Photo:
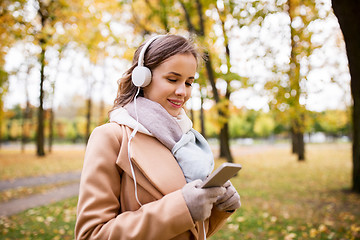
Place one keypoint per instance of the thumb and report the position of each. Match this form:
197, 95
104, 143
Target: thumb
196, 183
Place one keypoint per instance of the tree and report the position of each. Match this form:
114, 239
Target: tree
289, 87
222, 103
11, 28
264, 125
94, 43
347, 12
49, 28
50, 25
3, 90
26, 113
232, 17
51, 94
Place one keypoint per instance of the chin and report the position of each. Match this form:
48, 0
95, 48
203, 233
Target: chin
174, 113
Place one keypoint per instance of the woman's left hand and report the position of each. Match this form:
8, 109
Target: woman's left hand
230, 201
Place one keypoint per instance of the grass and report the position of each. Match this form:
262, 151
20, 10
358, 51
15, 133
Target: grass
17, 165
286, 199
55, 221
281, 199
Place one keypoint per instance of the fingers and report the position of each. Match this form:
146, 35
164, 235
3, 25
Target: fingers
232, 203
196, 183
200, 200
230, 191
230, 200
214, 192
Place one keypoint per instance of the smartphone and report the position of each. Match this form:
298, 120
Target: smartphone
221, 175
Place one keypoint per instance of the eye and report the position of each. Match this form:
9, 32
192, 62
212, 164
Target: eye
171, 80
189, 84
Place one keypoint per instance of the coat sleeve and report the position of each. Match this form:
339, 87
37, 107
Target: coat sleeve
217, 220
99, 206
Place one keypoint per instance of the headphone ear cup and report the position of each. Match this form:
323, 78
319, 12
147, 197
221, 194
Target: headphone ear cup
141, 76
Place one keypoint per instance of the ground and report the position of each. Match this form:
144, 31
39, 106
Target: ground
281, 197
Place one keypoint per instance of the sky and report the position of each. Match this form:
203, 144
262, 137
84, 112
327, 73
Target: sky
328, 84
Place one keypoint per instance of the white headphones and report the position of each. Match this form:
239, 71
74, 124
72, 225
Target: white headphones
141, 75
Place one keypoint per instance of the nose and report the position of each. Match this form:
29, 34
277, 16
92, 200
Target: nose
180, 90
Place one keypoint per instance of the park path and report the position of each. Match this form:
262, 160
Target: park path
37, 181
72, 188
18, 205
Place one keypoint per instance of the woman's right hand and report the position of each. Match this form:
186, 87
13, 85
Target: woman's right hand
200, 200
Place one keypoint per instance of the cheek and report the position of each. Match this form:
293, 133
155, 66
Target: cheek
151, 91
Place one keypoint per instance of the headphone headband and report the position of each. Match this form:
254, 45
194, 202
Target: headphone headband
141, 76
143, 50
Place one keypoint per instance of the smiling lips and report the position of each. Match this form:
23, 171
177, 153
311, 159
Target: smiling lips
175, 103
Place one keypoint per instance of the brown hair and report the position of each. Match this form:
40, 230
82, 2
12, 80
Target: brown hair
156, 53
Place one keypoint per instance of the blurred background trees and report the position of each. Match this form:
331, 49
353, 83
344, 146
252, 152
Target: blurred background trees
285, 52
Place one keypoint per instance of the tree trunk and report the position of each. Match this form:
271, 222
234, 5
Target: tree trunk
356, 142
297, 139
102, 117
22, 143
3, 85
88, 119
51, 110
8, 128
294, 76
347, 12
202, 116
225, 146
224, 134
26, 113
51, 130
301, 146
225, 143
192, 117
102, 112
40, 129
24, 133
1, 136
294, 143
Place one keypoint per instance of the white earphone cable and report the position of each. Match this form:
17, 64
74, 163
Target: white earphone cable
204, 230
129, 149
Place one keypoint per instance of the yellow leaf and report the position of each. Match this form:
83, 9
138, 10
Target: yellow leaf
273, 219
290, 236
355, 228
240, 219
313, 232
322, 228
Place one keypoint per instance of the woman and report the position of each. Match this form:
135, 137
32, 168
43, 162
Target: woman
142, 170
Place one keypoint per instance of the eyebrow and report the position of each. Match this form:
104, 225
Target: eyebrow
179, 75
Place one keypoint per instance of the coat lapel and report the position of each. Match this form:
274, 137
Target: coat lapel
154, 165
157, 163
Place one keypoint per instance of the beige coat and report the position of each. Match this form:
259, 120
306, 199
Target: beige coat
107, 207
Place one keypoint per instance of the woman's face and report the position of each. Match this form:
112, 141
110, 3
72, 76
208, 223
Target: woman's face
171, 82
